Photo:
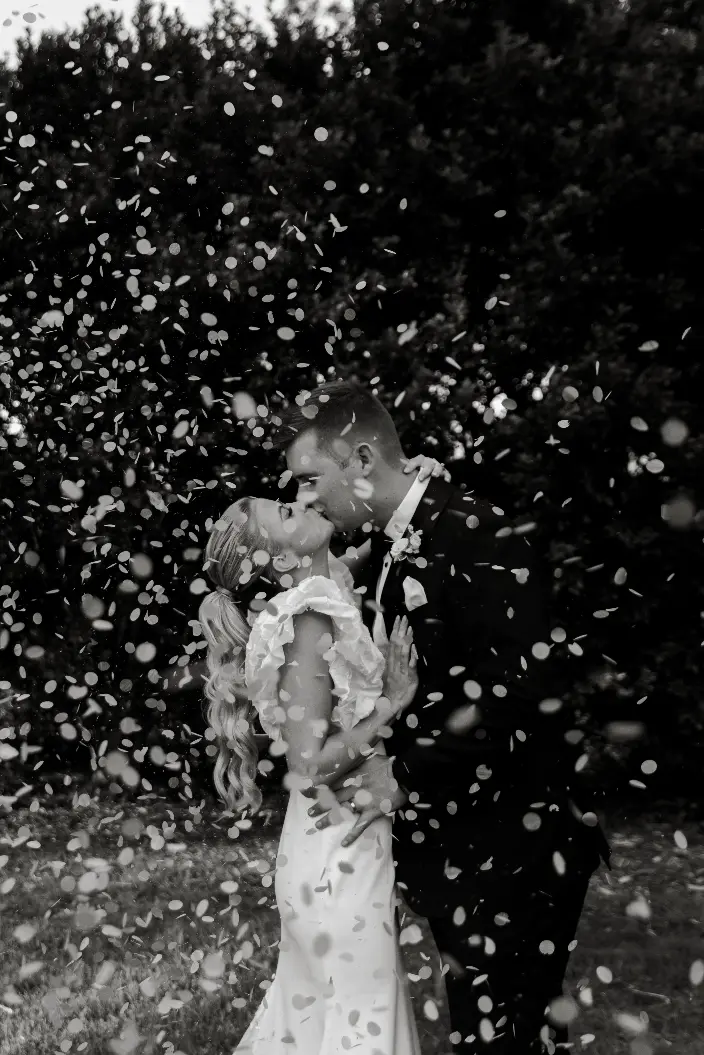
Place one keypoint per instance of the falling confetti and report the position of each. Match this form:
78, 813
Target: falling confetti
166, 235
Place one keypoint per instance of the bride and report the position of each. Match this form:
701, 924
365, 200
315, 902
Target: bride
325, 695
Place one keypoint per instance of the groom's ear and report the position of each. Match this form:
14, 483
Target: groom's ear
367, 457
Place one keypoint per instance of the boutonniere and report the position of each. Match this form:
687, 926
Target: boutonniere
407, 546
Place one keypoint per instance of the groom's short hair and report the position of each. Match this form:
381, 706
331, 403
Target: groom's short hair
339, 411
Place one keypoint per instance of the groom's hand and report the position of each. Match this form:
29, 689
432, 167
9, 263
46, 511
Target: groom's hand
375, 793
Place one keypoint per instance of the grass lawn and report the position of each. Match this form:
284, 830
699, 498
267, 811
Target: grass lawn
118, 937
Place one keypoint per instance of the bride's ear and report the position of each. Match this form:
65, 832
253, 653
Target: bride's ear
285, 562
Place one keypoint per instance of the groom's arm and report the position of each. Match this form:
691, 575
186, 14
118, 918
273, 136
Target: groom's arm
495, 613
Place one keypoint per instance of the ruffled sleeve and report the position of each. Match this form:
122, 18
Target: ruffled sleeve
356, 664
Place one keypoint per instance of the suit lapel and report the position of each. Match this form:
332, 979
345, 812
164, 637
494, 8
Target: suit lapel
370, 574
437, 496
433, 502
431, 506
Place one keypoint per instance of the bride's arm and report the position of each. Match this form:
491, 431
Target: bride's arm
305, 694
305, 691
355, 557
347, 749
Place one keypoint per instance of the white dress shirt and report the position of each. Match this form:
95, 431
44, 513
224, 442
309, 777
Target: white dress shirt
395, 528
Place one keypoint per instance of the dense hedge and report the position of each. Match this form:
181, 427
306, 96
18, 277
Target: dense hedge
489, 213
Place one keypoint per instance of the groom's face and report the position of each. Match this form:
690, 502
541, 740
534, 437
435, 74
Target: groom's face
335, 488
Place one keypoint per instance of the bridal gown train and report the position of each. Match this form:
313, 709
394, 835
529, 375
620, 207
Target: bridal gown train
339, 984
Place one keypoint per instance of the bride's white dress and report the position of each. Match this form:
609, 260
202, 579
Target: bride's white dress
339, 984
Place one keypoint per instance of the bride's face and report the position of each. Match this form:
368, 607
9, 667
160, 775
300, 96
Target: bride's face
292, 526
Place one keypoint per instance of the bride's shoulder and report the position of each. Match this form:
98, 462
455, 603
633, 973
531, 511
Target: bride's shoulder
316, 593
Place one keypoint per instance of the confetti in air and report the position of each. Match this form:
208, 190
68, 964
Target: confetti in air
199, 227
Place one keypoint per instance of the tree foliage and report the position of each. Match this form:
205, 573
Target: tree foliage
488, 213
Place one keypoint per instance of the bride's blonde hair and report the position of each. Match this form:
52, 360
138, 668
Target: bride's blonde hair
235, 556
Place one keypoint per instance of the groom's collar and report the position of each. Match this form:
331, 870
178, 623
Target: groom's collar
436, 497
406, 511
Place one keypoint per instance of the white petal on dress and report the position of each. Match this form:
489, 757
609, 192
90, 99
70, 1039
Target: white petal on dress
339, 984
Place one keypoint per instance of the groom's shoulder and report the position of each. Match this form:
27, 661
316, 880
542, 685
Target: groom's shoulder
466, 511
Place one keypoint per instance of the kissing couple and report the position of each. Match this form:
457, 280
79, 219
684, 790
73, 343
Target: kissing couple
409, 686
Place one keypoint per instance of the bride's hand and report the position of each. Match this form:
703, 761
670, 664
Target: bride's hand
401, 674
344, 790
426, 467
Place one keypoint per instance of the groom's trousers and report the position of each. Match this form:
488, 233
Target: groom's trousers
507, 942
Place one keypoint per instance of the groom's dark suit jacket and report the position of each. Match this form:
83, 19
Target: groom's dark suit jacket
491, 762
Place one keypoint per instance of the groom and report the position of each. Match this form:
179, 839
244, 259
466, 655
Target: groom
492, 842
